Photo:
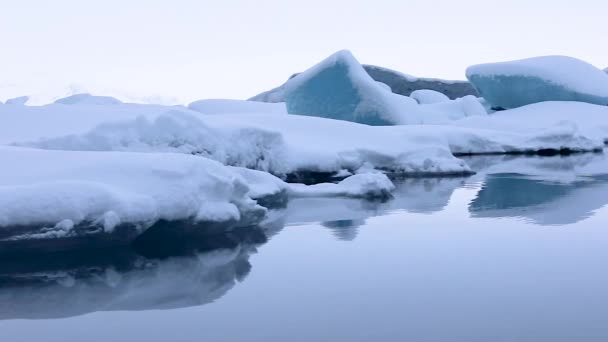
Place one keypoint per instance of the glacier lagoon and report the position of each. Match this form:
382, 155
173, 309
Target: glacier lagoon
458, 259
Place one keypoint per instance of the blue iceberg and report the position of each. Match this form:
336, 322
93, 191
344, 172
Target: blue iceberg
550, 78
339, 88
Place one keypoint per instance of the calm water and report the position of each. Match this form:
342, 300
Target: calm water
517, 252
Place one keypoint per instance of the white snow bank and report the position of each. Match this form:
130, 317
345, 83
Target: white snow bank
216, 106
61, 189
426, 96
284, 144
280, 144
559, 122
88, 99
323, 145
364, 185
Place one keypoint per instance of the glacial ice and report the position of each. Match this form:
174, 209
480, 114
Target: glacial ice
549, 78
338, 88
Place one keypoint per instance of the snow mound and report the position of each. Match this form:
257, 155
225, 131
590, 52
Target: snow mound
280, 144
367, 185
217, 106
110, 190
549, 78
364, 185
19, 101
88, 99
339, 88
427, 96
182, 133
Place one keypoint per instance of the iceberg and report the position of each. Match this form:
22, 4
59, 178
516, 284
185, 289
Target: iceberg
339, 88
549, 78
395, 81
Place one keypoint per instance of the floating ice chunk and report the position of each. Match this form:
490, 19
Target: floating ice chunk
20, 101
367, 185
115, 188
216, 106
550, 78
427, 96
88, 99
339, 88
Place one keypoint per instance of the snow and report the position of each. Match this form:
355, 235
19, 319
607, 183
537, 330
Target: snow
218, 106
364, 185
88, 99
112, 188
426, 96
284, 144
549, 78
368, 185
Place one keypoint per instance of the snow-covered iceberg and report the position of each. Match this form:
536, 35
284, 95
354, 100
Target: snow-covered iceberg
114, 194
339, 88
549, 78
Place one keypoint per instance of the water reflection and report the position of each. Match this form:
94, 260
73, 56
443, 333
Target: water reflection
419, 195
169, 269
542, 202
544, 191
130, 278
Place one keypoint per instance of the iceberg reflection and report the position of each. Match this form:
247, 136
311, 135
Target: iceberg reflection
134, 278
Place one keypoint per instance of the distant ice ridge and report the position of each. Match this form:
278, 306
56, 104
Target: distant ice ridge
397, 82
221, 106
339, 88
89, 99
19, 101
550, 78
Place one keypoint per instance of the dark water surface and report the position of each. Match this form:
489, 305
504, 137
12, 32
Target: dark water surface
517, 252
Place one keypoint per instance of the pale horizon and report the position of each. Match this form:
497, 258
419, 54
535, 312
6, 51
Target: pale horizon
186, 50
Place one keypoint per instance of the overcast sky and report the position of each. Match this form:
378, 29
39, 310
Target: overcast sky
237, 48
